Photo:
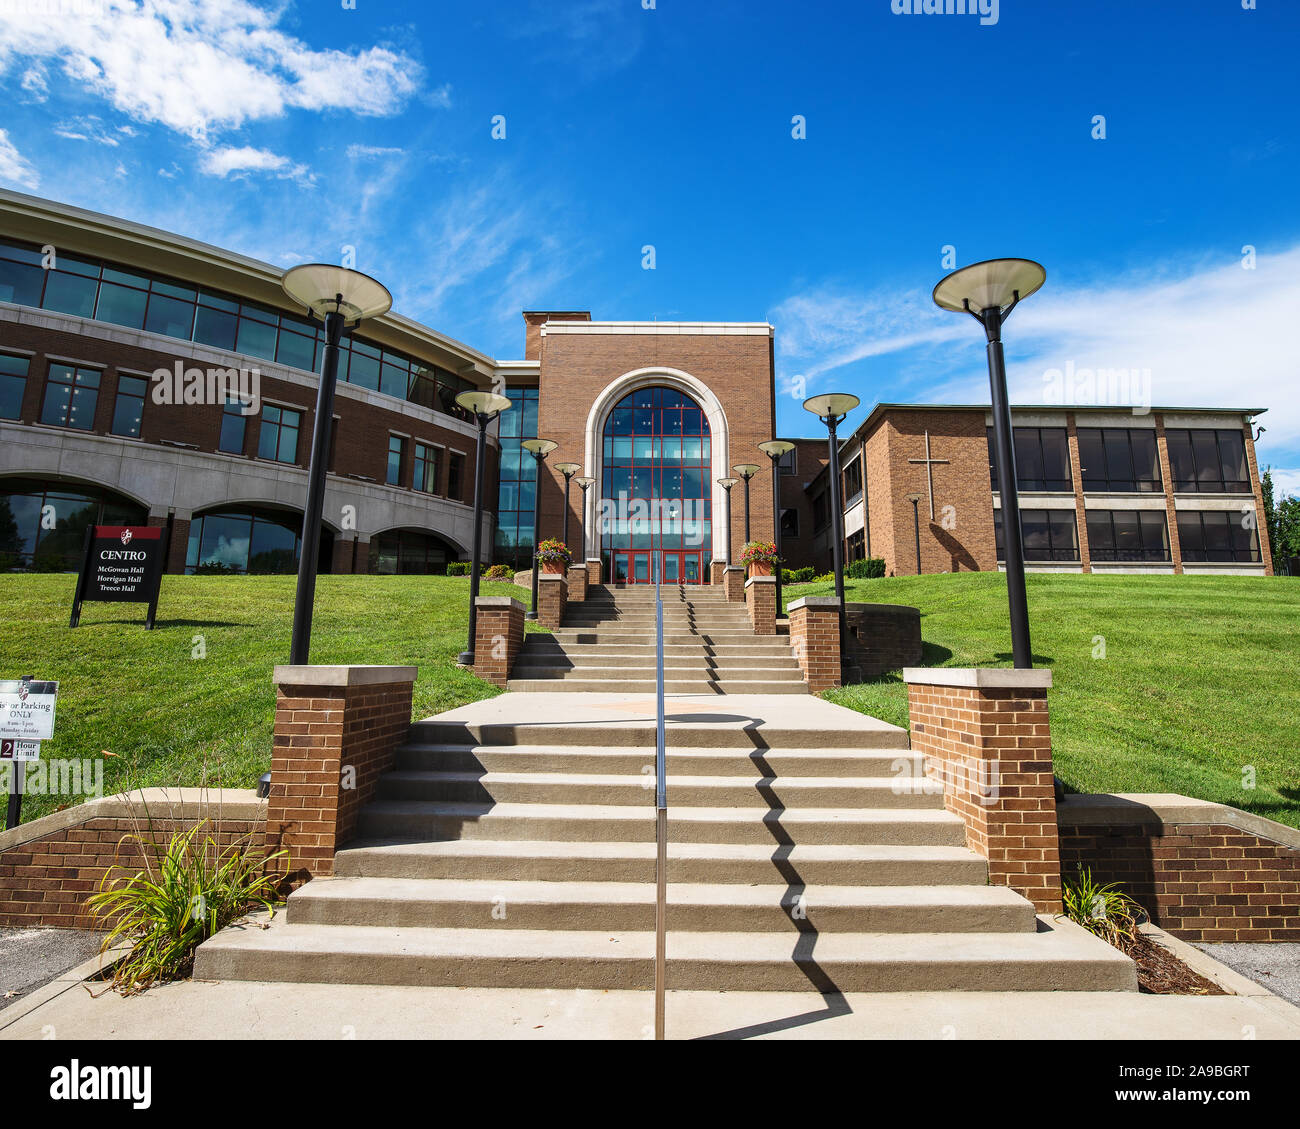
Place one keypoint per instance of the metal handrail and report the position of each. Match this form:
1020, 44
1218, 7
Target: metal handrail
661, 812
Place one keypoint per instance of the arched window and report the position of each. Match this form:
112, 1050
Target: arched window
656, 488
43, 522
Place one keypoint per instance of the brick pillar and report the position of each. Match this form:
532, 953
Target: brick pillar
498, 635
716, 569
984, 734
577, 584
815, 640
1167, 478
733, 580
1076, 476
593, 571
552, 596
344, 553
1257, 491
337, 729
179, 544
760, 602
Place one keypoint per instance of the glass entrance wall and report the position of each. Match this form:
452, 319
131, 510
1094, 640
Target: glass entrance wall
656, 488
43, 523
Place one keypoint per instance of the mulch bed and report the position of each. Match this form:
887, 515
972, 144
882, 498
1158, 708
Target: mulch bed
1160, 973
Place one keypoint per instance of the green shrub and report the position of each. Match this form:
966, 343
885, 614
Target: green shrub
458, 568
1104, 910
872, 568
825, 578
500, 572
186, 891
796, 575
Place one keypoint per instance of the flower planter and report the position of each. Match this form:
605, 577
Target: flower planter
760, 568
556, 567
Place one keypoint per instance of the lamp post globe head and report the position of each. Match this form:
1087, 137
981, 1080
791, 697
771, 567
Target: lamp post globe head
585, 483
539, 448
832, 404
727, 483
326, 289
568, 469
992, 284
914, 498
775, 448
483, 403
746, 470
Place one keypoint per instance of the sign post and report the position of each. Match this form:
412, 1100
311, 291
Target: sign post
26, 719
122, 564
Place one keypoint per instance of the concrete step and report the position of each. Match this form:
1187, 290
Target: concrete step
681, 762
944, 862
1062, 957
673, 672
760, 648
620, 636
419, 820
767, 793
647, 686
457, 903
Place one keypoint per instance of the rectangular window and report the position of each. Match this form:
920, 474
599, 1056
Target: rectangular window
13, 383
1119, 460
234, 425
1042, 459
1128, 535
855, 547
128, 408
396, 456
455, 477
1048, 535
21, 276
789, 462
1217, 535
1208, 461
852, 482
821, 508
121, 305
71, 395
170, 316
425, 476
68, 293
789, 523
278, 440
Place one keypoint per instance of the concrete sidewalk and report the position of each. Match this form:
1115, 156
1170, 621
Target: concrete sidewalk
232, 1010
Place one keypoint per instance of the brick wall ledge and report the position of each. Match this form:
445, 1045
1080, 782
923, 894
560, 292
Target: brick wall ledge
163, 803
760, 580
812, 602
342, 675
1160, 809
487, 602
979, 678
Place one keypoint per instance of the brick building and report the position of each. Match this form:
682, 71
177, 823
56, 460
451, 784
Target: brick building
93, 309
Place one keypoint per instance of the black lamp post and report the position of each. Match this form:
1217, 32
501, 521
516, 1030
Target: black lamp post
568, 470
727, 484
586, 484
341, 299
774, 449
989, 291
915, 499
832, 408
747, 471
539, 449
485, 407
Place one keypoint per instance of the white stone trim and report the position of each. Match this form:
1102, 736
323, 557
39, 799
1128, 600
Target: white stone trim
361, 675
1217, 503
979, 678
1134, 568
668, 328
1222, 568
1206, 421
1124, 502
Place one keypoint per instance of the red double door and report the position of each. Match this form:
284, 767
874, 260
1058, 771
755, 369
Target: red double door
633, 566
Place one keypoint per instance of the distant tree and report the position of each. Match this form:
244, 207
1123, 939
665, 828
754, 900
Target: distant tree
1282, 515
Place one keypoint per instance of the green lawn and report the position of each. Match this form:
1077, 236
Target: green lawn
1199, 684
141, 694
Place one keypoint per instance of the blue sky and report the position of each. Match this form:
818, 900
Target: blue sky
287, 131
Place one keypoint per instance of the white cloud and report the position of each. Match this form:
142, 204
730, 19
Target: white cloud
88, 128
15, 169
198, 66
1285, 480
35, 83
363, 152
236, 161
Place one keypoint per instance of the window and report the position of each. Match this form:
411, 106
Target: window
44, 523
455, 477
821, 508
855, 547
13, 383
1048, 535
1042, 459
1208, 461
425, 477
517, 478
71, 394
233, 428
407, 551
278, 440
1119, 460
1217, 535
396, 456
1128, 535
852, 482
789, 523
128, 408
789, 462
243, 541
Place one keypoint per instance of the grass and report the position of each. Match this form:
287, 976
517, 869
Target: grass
143, 696
1197, 691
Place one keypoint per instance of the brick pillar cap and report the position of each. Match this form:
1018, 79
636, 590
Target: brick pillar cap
594, 560
498, 602
760, 580
813, 603
545, 576
978, 678
342, 675
734, 568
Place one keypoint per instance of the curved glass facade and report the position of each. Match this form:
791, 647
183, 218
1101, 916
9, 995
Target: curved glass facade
92, 288
246, 541
656, 488
43, 524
